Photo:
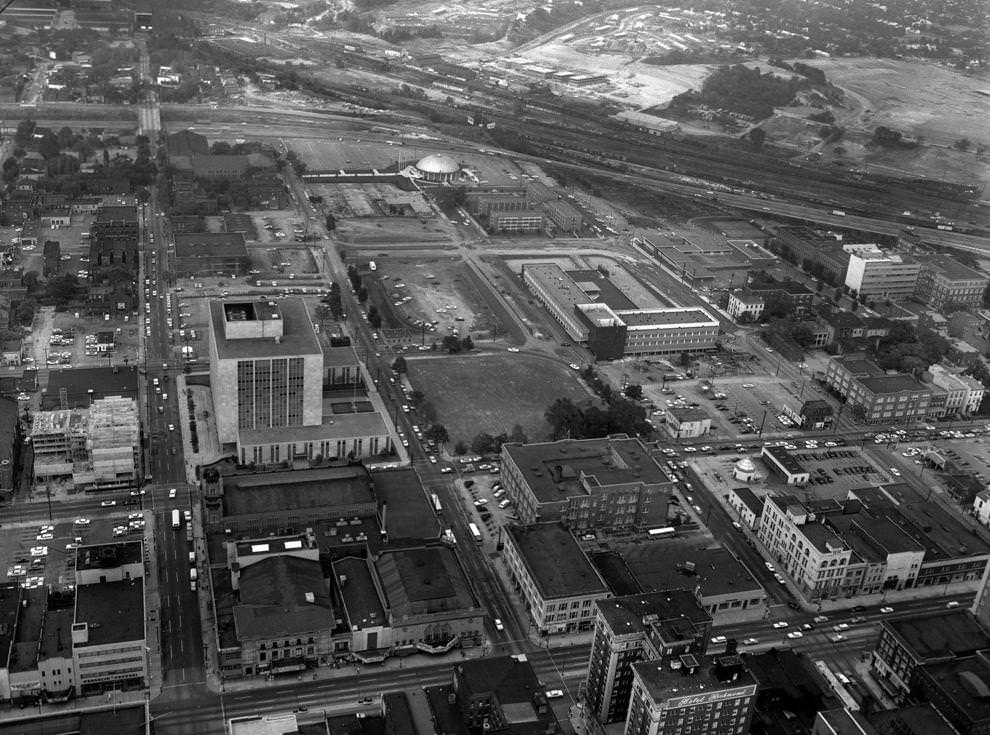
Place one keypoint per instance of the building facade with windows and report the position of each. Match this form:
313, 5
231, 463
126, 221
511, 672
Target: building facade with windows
589, 483
878, 397
943, 281
551, 572
657, 626
696, 697
877, 274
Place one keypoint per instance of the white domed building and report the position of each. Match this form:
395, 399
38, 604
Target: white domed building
745, 470
438, 168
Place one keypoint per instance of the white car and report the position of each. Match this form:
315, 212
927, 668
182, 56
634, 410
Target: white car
433, 459
795, 634
171, 427
45, 537
886, 610
840, 627
81, 522
574, 366
171, 493
750, 641
446, 470
555, 693
498, 624
108, 503
719, 639
513, 349
769, 566
780, 624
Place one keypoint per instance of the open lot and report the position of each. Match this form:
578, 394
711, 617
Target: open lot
437, 290
492, 393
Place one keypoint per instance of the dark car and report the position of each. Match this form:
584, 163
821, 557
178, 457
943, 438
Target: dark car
858, 608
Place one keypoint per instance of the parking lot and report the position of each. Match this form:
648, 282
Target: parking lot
40, 555
482, 489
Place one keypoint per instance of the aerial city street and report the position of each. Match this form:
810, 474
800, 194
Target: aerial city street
438, 368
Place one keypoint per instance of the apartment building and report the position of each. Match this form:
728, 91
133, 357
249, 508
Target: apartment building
745, 302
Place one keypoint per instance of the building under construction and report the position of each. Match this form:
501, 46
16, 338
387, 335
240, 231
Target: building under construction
95, 448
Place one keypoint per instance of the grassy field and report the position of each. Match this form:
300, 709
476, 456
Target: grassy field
492, 393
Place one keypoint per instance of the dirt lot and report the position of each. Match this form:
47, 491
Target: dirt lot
492, 393
385, 231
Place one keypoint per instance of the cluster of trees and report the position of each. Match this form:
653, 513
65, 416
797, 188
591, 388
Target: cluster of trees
453, 344
908, 349
745, 91
568, 420
485, 443
890, 138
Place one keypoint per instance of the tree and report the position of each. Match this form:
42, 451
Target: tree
399, 364
437, 433
467, 343
451, 344
517, 435
63, 289
354, 277
374, 318
460, 448
30, 281
362, 294
685, 360
565, 419
855, 307
331, 223
483, 443
333, 300
633, 392
416, 397
757, 136
962, 144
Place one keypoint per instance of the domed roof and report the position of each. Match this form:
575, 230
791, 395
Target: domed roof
745, 465
437, 163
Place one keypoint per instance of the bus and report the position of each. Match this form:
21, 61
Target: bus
435, 499
475, 533
667, 531
176, 516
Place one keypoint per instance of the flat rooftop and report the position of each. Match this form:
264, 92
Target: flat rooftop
965, 682
108, 556
894, 384
359, 594
674, 688
554, 470
658, 563
785, 459
210, 245
678, 317
607, 292
114, 611
297, 337
554, 560
628, 614
334, 426
267, 492
78, 382
940, 633
409, 513
424, 580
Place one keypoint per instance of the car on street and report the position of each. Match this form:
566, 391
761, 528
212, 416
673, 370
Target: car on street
795, 634
750, 641
555, 693
837, 638
81, 522
171, 493
171, 427
952, 603
513, 349
769, 566
840, 627
886, 610
108, 503
719, 639
574, 366
498, 624
781, 624
446, 470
